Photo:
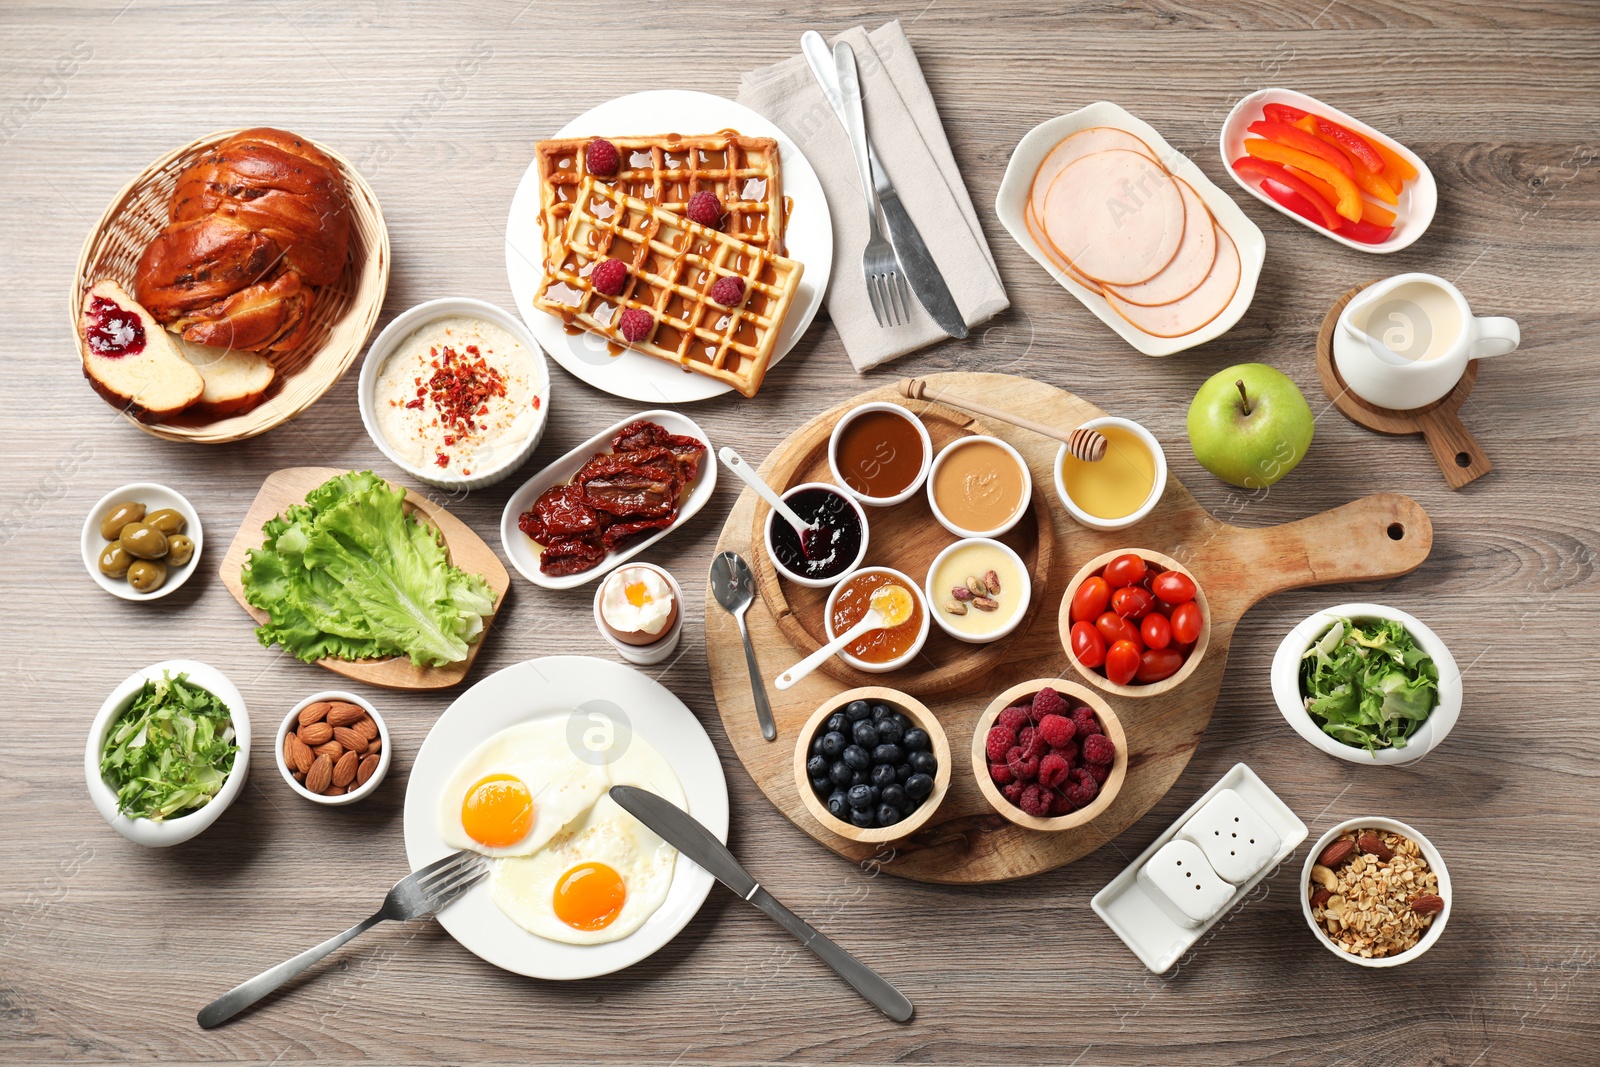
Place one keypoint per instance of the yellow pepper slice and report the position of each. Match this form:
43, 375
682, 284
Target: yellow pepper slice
1348, 199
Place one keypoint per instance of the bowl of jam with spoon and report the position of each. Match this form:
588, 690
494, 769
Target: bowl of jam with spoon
834, 546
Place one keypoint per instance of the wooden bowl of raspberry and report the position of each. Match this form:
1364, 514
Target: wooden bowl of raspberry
1049, 754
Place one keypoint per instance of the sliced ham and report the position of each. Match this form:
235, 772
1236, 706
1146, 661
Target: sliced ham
1050, 252
1189, 314
1115, 215
1074, 148
1192, 263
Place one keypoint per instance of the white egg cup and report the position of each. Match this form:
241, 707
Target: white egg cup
657, 650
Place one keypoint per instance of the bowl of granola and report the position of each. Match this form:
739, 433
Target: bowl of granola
1376, 892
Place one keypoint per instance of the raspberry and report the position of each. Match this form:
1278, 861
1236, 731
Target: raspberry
1036, 801
1098, 748
1060, 805
998, 743
1013, 718
609, 276
706, 209
636, 324
1013, 792
1052, 770
1098, 771
1085, 722
1023, 767
1049, 702
1032, 742
1068, 752
728, 292
1000, 774
1057, 730
1081, 787
601, 158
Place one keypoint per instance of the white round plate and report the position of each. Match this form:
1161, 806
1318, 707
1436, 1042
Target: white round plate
808, 238
566, 686
154, 497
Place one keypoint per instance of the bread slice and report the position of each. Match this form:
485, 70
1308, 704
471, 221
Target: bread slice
236, 380
144, 375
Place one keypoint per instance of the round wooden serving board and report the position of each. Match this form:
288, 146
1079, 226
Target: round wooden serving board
966, 841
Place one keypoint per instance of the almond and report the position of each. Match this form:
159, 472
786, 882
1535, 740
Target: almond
367, 768
1320, 897
316, 733
344, 714
1337, 853
375, 744
351, 740
1372, 845
331, 749
314, 712
299, 777
320, 776
296, 753
1427, 904
365, 727
344, 772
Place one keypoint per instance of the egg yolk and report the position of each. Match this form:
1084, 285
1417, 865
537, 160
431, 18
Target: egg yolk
637, 594
497, 811
589, 896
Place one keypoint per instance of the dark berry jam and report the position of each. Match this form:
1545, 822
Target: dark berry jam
113, 331
831, 548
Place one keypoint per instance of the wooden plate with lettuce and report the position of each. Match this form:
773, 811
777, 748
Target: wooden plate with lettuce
342, 569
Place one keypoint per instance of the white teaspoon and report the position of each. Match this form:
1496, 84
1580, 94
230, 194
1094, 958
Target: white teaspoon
891, 605
735, 462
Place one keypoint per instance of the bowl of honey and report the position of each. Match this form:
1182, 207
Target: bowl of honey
880, 453
1123, 487
877, 651
979, 486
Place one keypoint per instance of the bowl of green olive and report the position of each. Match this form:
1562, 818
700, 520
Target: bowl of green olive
142, 541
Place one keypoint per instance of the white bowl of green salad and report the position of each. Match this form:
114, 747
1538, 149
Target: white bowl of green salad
1368, 684
168, 752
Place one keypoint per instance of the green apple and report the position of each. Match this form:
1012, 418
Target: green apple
1249, 425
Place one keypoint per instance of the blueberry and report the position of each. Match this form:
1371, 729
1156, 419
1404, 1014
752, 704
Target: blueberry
857, 710
862, 817
865, 734
882, 774
838, 806
817, 766
839, 773
888, 814
837, 723
890, 731
919, 787
821, 784
908, 806
916, 740
857, 758
900, 717
860, 796
881, 712
902, 772
860, 778
816, 744
894, 794
923, 762
889, 754
877, 794
833, 743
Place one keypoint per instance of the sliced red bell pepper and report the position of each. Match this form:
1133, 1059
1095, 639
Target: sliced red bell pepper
1383, 187
1365, 232
1295, 137
1352, 142
1349, 204
1251, 167
1283, 113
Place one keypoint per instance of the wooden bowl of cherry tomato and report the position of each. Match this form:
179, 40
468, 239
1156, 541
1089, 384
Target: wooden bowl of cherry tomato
1135, 622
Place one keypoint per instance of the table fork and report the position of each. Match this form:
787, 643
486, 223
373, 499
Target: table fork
421, 893
886, 280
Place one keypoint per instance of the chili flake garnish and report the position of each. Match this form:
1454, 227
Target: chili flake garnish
442, 460
461, 387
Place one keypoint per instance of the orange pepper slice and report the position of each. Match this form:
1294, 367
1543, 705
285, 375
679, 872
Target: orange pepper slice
1372, 184
1347, 202
1394, 164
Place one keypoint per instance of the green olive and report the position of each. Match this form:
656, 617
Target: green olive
118, 517
167, 521
147, 575
180, 550
114, 561
143, 542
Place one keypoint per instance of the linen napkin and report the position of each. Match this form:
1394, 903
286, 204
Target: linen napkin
903, 125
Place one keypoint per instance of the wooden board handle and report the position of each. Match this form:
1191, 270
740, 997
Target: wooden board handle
1454, 448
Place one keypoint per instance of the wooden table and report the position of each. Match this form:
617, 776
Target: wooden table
110, 948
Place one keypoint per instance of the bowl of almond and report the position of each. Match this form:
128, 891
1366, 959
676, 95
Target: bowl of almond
333, 748
1376, 892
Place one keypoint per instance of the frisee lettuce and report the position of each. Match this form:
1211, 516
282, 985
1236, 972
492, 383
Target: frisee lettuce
170, 751
351, 575
1366, 683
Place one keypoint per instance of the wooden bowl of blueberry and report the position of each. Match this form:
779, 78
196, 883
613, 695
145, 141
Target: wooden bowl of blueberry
872, 764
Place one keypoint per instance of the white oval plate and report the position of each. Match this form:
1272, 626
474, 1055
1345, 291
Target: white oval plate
538, 689
808, 238
1012, 199
154, 497
1418, 200
519, 546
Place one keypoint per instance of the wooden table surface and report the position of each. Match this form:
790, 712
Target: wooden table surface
110, 948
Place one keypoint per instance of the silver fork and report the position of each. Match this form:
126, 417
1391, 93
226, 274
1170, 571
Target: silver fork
886, 281
418, 894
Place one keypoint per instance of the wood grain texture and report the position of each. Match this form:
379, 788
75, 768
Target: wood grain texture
110, 949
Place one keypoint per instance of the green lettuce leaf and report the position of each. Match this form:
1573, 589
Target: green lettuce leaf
170, 751
1367, 683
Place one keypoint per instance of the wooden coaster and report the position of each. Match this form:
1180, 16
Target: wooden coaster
1453, 446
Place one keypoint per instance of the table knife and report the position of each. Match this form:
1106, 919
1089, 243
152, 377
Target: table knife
921, 271
676, 827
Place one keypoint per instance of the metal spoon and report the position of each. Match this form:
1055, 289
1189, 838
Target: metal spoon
734, 586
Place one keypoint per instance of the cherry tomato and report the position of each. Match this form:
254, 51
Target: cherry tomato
1186, 622
1090, 599
1114, 628
1174, 587
1185, 647
1156, 631
1132, 601
1123, 662
1087, 645
1126, 569
1156, 664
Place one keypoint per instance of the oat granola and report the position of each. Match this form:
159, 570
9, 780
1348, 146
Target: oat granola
1372, 905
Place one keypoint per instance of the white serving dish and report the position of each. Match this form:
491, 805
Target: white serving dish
910, 653
1435, 861
934, 598
519, 547
632, 375
1094, 522
155, 497
657, 650
403, 326
1003, 528
922, 474
1145, 926
1286, 686
180, 829
1012, 199
385, 752
800, 579
1418, 200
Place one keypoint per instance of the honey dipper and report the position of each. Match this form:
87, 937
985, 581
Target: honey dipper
1082, 443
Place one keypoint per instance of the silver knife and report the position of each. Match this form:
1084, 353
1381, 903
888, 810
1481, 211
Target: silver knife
677, 828
921, 271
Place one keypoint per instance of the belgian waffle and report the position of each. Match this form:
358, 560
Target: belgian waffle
672, 265
666, 171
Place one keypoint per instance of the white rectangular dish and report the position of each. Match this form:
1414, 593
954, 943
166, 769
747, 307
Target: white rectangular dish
519, 547
1144, 925
1011, 201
